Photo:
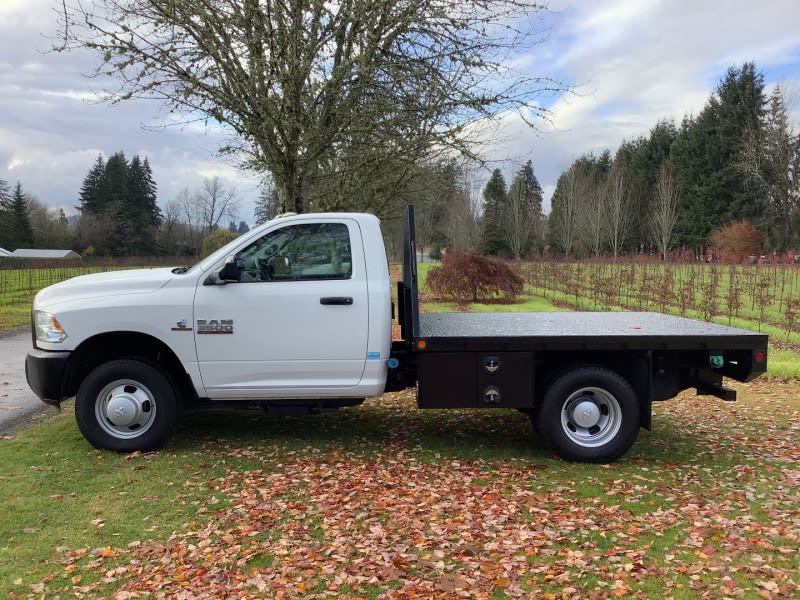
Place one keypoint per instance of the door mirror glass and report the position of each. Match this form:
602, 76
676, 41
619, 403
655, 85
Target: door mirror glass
230, 272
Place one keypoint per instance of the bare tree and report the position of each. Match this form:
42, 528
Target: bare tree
593, 214
267, 203
770, 159
664, 212
50, 229
192, 217
214, 202
591, 225
302, 83
170, 225
425, 215
472, 224
519, 221
617, 207
462, 222
540, 234
566, 206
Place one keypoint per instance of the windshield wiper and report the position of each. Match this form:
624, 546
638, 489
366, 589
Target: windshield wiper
180, 270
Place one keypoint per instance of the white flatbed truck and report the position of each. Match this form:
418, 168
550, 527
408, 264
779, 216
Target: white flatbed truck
295, 317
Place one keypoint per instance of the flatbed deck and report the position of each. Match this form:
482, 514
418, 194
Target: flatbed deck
588, 380
582, 331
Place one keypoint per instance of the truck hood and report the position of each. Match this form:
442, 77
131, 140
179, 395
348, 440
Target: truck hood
113, 283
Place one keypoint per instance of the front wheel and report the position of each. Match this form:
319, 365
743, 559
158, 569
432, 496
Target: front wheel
126, 405
590, 414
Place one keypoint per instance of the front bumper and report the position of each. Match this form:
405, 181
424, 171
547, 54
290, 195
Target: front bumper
46, 373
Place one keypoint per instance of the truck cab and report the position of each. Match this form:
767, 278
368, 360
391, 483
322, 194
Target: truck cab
295, 315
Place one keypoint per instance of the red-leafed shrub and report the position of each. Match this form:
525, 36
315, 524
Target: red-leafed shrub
464, 275
737, 242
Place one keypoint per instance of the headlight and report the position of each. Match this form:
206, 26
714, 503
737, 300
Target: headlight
48, 329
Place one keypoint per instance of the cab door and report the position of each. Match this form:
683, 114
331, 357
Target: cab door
294, 324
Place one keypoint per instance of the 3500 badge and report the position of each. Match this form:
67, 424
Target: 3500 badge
215, 326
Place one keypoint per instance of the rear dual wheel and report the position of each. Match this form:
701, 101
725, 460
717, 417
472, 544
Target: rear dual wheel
589, 414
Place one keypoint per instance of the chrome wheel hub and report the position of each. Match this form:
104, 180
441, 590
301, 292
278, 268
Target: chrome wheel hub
586, 414
591, 417
125, 409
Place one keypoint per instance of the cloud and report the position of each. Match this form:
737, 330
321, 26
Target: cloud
633, 62
52, 125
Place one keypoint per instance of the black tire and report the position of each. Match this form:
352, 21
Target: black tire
589, 414
138, 396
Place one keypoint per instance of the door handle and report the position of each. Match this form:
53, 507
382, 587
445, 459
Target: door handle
336, 300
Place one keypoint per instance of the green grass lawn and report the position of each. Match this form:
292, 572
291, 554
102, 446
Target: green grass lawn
386, 500
16, 315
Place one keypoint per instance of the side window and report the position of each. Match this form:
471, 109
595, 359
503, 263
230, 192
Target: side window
298, 253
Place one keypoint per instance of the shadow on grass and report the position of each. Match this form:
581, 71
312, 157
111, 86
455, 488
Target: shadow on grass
386, 425
374, 429
371, 429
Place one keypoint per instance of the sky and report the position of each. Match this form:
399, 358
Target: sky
629, 62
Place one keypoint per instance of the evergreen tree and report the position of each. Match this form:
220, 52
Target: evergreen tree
118, 221
91, 189
741, 109
119, 206
494, 211
782, 177
5, 194
523, 211
137, 192
705, 153
6, 231
643, 158
151, 207
20, 218
530, 189
141, 209
243, 228
700, 210
563, 219
115, 181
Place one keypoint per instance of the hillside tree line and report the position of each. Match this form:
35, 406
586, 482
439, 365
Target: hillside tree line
117, 213
733, 167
